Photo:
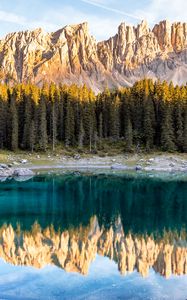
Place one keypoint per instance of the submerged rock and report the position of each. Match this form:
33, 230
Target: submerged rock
119, 167
138, 168
23, 172
2, 179
23, 178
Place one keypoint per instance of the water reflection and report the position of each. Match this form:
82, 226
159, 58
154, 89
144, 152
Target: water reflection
145, 205
75, 249
66, 221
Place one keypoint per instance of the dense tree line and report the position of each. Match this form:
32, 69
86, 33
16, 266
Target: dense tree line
149, 115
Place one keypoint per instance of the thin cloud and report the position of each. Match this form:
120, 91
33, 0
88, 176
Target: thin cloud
132, 16
100, 28
24, 23
158, 10
103, 2
11, 18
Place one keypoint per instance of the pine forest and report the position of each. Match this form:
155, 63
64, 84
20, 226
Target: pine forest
147, 116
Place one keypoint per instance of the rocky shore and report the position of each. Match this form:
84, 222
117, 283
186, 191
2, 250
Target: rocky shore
7, 171
20, 167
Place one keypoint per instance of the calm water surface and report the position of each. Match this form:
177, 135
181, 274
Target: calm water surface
86, 236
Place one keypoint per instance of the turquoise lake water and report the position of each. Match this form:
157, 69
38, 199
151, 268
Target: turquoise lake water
86, 236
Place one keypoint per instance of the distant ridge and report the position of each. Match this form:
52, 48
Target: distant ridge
72, 55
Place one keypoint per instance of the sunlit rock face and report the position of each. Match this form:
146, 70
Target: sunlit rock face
72, 55
68, 56
75, 249
137, 52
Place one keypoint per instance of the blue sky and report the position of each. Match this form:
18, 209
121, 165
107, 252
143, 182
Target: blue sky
103, 282
103, 16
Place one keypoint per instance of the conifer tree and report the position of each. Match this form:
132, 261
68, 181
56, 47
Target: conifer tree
27, 123
69, 123
81, 135
42, 124
185, 130
100, 125
60, 121
167, 131
114, 121
179, 125
129, 136
53, 97
148, 124
3, 117
106, 101
13, 122
32, 136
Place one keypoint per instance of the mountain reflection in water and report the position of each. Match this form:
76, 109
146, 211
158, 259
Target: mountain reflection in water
139, 223
74, 249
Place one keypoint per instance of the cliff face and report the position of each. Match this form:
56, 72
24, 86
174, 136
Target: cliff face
74, 250
71, 55
137, 52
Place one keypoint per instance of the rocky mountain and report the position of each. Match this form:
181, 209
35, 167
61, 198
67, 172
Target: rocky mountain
72, 55
75, 249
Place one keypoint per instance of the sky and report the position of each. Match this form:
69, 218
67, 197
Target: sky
103, 282
103, 16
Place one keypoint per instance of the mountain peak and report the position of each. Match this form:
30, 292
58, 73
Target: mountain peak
73, 28
72, 55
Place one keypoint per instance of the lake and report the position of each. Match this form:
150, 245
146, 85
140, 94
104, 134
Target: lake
94, 236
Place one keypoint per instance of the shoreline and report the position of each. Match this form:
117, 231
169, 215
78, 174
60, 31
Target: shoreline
16, 165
